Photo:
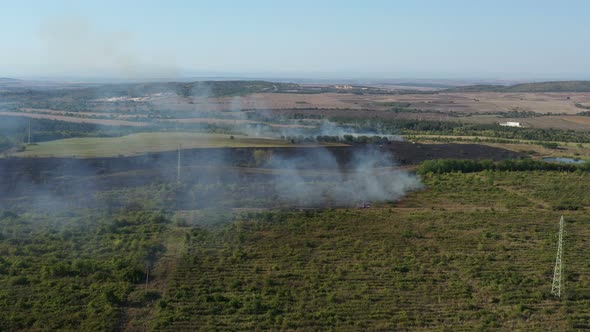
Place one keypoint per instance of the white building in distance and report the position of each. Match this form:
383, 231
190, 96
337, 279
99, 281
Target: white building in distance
510, 124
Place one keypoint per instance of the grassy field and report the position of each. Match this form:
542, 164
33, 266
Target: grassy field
76, 119
136, 144
472, 252
469, 252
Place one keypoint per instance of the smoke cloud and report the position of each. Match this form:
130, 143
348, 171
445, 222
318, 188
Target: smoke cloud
73, 45
290, 176
369, 175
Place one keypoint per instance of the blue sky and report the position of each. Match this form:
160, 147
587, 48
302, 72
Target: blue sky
318, 39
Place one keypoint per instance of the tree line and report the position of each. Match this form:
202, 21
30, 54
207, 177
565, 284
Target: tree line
440, 166
431, 127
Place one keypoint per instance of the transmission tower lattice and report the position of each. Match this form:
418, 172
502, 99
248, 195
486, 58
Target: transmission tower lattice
29, 141
178, 165
556, 287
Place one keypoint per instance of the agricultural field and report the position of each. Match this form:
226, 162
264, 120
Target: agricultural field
136, 144
470, 104
466, 102
74, 119
235, 103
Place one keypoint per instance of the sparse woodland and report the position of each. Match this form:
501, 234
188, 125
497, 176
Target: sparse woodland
469, 251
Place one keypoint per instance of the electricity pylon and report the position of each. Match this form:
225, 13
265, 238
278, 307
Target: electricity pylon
178, 165
556, 287
29, 141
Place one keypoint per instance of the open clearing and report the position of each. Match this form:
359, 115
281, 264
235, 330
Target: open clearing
136, 144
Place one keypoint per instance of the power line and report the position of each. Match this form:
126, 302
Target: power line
178, 165
29, 141
557, 274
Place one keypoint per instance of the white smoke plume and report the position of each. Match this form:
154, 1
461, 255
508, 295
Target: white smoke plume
369, 175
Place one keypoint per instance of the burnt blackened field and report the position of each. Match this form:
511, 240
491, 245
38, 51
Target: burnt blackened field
229, 177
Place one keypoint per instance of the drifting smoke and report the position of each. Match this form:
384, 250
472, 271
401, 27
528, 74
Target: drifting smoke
316, 177
369, 175
285, 177
73, 45
329, 128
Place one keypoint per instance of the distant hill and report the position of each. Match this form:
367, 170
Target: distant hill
12, 84
477, 88
8, 80
183, 89
556, 86
199, 88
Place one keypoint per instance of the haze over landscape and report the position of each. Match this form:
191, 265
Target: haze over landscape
302, 166
458, 39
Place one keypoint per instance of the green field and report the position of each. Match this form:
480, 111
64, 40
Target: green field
472, 252
140, 143
469, 252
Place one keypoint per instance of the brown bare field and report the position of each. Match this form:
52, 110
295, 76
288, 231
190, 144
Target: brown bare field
77, 119
470, 107
575, 119
259, 101
556, 103
559, 122
564, 122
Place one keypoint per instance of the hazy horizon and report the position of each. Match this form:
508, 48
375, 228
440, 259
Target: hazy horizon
334, 40
311, 79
